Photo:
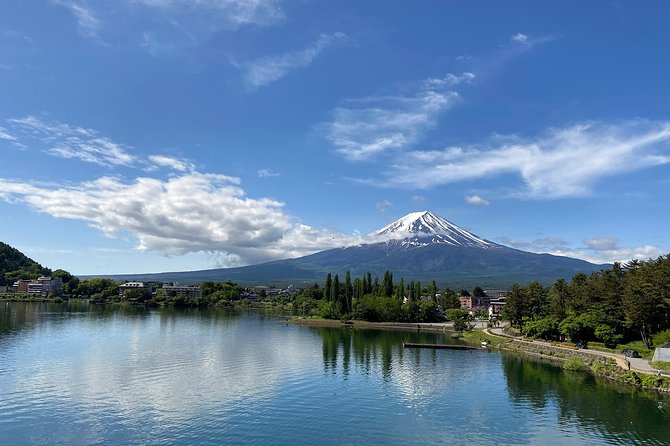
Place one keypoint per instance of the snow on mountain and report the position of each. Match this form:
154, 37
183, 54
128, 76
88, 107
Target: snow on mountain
425, 228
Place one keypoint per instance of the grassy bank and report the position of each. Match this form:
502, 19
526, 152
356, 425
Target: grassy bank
571, 359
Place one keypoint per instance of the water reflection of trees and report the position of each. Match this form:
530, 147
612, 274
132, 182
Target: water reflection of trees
17, 316
374, 348
622, 415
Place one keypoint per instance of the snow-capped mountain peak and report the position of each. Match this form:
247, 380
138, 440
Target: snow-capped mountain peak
423, 228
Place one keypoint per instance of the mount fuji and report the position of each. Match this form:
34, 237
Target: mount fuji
419, 246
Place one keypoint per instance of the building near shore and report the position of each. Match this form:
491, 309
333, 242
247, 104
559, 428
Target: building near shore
44, 286
175, 289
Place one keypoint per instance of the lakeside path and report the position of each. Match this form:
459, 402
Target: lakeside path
636, 364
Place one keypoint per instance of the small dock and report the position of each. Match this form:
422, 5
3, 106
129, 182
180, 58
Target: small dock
438, 346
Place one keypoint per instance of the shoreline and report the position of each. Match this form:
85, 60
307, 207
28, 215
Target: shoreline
438, 327
602, 365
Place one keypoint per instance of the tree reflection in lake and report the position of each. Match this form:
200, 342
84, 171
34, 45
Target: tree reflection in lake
622, 414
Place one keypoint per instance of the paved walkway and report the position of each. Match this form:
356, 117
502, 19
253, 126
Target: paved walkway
636, 364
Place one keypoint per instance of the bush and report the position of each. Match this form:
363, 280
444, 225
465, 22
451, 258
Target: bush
661, 339
574, 364
328, 310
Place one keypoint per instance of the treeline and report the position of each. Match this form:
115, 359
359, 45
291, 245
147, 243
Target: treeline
107, 291
371, 299
614, 306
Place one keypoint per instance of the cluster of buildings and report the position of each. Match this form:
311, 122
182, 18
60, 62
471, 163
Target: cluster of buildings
259, 292
493, 300
42, 286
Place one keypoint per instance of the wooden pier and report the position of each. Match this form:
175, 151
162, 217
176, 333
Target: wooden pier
438, 346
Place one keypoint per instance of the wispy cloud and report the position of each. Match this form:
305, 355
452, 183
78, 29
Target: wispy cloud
266, 173
235, 12
261, 72
370, 126
6, 136
384, 205
192, 212
519, 38
66, 141
178, 164
563, 162
88, 23
476, 200
173, 24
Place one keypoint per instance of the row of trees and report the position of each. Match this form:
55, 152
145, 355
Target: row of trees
624, 303
372, 299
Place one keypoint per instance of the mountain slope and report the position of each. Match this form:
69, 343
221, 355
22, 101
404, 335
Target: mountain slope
16, 265
419, 246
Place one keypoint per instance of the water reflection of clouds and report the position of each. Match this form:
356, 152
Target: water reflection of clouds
164, 375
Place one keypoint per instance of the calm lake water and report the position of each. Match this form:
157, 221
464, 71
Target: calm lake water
80, 374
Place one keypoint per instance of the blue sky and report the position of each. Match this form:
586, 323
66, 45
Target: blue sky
158, 135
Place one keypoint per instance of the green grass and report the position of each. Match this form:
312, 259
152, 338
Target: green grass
663, 365
477, 336
635, 345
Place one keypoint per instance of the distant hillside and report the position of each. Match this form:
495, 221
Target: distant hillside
16, 265
420, 246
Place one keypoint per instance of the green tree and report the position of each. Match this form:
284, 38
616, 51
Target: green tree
348, 292
460, 319
387, 284
328, 288
478, 292
335, 294
641, 306
515, 306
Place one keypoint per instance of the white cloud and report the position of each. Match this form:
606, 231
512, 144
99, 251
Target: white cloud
476, 200
189, 213
235, 12
265, 173
264, 71
601, 243
179, 164
519, 38
418, 199
561, 163
66, 141
6, 136
374, 125
88, 23
595, 250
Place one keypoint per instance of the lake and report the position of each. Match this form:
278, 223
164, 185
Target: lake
115, 375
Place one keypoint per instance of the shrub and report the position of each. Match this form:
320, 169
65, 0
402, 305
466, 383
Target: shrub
574, 364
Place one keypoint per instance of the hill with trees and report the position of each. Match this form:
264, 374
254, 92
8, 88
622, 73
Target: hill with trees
15, 265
